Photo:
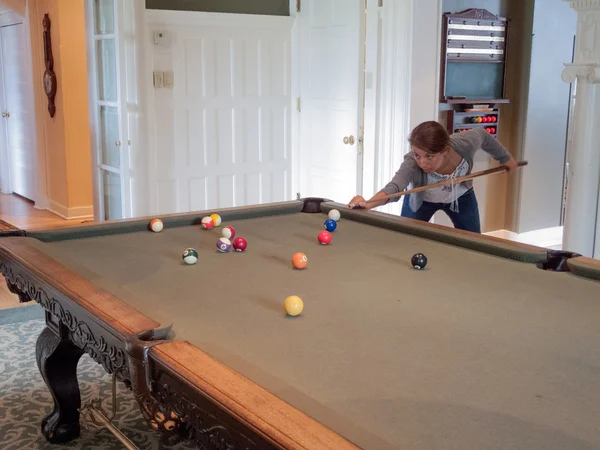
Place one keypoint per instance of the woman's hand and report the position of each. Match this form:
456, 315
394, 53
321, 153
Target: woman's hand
357, 202
512, 165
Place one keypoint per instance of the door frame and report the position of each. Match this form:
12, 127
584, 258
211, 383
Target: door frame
5, 159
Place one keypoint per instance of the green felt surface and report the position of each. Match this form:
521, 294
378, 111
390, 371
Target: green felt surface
476, 351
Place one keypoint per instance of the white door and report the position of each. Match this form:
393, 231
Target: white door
18, 114
112, 143
331, 92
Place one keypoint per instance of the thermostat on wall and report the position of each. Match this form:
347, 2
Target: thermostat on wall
162, 38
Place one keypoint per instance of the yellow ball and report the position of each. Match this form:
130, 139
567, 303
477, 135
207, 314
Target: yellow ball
216, 219
293, 305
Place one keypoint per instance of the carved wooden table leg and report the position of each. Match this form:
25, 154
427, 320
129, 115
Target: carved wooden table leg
57, 360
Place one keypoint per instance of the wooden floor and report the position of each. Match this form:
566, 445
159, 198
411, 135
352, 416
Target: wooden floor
20, 212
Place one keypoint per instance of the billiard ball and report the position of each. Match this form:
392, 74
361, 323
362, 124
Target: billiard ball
419, 261
216, 219
207, 223
334, 214
190, 256
156, 225
240, 244
224, 245
293, 305
228, 232
299, 260
330, 225
324, 237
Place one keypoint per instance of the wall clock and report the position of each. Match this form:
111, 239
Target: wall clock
49, 75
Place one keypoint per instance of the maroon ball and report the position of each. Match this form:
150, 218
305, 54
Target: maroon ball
240, 244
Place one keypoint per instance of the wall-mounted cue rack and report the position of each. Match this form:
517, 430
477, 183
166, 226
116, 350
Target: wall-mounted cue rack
473, 69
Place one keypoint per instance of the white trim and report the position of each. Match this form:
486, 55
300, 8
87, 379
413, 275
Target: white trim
547, 237
220, 20
360, 116
438, 62
295, 96
372, 62
39, 101
5, 157
41, 200
78, 212
92, 107
102, 37
395, 93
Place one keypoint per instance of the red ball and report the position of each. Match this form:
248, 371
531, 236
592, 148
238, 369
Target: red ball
240, 244
228, 232
324, 237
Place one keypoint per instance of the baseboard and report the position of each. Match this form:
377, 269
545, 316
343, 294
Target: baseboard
78, 212
547, 237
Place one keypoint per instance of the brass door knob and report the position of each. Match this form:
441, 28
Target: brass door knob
349, 140
118, 143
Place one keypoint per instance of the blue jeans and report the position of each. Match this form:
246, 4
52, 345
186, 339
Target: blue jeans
467, 217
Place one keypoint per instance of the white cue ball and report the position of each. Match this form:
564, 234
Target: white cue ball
334, 214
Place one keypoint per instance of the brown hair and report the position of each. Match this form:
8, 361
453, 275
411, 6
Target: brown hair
430, 136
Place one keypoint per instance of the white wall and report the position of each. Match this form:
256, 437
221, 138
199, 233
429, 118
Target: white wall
222, 134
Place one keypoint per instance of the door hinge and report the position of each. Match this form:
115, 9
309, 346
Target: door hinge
298, 104
298, 5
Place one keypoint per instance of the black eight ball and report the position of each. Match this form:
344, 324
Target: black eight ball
419, 261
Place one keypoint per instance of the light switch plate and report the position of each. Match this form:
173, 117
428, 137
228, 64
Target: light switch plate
168, 78
162, 39
159, 79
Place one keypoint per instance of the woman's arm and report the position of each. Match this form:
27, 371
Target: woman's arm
479, 138
399, 183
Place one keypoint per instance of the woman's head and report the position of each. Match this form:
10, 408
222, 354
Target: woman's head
430, 143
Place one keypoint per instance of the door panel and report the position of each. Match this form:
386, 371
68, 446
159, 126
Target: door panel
19, 124
331, 42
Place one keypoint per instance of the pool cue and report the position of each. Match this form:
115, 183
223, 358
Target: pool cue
499, 169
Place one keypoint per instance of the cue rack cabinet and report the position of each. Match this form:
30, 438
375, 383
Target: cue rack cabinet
473, 69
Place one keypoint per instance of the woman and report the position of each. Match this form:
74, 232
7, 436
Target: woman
437, 156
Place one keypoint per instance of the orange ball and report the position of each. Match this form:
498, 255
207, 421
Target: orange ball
299, 260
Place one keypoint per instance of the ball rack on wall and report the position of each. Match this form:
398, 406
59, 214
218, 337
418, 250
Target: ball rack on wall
474, 69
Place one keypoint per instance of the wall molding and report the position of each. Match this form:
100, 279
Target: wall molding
77, 212
584, 4
394, 105
589, 72
217, 20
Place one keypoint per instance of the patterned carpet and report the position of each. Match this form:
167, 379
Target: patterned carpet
25, 400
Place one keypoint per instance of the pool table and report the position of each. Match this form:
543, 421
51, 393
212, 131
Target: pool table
494, 345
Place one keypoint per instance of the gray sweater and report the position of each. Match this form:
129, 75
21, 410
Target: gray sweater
465, 144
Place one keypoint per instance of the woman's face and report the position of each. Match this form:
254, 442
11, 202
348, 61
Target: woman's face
429, 162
